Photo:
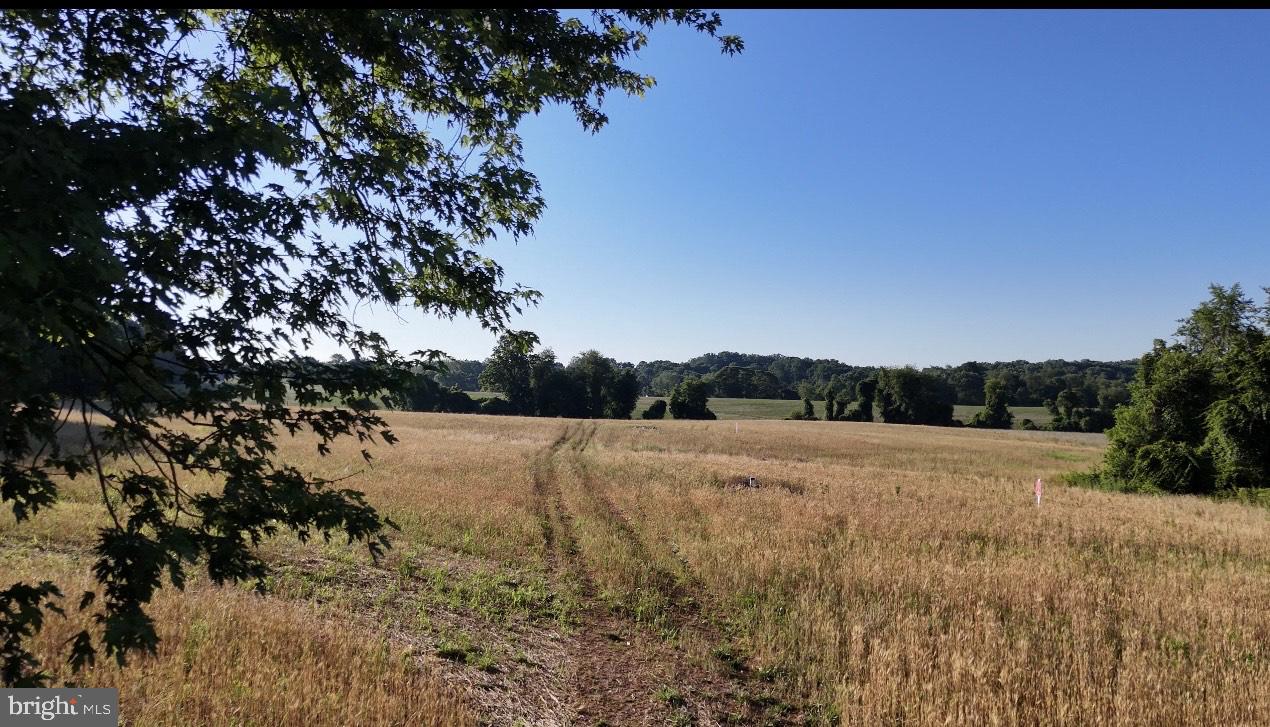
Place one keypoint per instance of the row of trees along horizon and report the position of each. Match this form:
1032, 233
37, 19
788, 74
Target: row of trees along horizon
1193, 417
1080, 395
776, 376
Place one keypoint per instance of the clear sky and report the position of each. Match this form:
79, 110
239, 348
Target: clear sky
901, 187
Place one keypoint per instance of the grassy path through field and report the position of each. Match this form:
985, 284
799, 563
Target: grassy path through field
644, 654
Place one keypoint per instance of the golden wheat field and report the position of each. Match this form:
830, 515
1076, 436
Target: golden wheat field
572, 572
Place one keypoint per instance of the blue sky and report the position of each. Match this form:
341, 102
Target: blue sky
901, 187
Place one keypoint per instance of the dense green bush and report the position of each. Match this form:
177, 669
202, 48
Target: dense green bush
909, 396
1071, 413
996, 413
655, 410
689, 400
456, 402
1238, 437
421, 392
1199, 418
840, 408
808, 393
830, 393
497, 405
862, 409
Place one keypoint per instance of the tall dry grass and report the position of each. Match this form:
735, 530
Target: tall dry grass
904, 574
881, 574
230, 657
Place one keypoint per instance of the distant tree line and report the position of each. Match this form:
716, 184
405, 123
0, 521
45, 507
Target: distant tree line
591, 386
1191, 416
460, 374
737, 382
902, 395
1088, 384
906, 395
1023, 383
1080, 395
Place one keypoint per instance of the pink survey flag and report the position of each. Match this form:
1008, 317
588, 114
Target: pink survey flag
1038, 488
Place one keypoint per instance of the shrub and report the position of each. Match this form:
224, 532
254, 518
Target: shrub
840, 410
497, 405
456, 401
995, 414
862, 409
809, 410
655, 410
689, 400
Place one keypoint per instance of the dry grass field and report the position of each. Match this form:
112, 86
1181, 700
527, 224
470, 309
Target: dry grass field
670, 572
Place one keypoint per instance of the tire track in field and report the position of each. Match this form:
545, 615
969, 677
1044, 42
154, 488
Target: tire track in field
584, 436
608, 678
544, 478
665, 582
615, 665
681, 593
556, 521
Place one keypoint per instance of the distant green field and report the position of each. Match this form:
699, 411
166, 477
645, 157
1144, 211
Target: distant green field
1038, 414
744, 408
782, 408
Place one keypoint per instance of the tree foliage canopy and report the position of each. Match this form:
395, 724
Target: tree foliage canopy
1199, 418
744, 383
996, 412
592, 386
862, 409
1026, 383
509, 370
193, 197
908, 396
690, 400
